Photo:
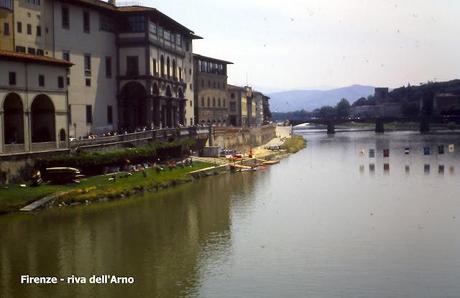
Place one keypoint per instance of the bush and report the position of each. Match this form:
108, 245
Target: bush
93, 163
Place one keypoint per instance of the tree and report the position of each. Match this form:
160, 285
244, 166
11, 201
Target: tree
342, 108
427, 103
327, 112
360, 102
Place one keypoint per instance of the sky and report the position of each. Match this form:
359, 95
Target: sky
317, 44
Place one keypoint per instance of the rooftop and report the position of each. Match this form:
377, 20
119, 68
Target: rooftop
197, 56
99, 4
22, 57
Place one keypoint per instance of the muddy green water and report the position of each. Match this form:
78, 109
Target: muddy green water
326, 222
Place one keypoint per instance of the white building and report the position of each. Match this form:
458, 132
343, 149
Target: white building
133, 65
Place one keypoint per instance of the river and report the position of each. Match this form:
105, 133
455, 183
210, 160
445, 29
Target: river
328, 221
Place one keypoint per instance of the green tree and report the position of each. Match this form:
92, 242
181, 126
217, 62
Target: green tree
342, 108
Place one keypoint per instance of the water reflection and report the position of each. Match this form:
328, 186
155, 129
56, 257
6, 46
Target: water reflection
162, 241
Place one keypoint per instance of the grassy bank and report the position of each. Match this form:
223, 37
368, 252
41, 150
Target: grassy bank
13, 197
294, 144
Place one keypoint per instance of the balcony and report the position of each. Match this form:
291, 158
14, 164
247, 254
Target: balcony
6, 4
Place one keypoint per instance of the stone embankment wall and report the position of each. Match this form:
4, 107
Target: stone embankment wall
17, 168
242, 138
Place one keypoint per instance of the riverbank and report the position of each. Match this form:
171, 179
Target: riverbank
124, 184
102, 187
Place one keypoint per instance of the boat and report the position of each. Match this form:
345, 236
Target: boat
270, 162
62, 175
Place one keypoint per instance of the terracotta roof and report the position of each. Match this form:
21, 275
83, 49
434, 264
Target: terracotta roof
211, 59
13, 56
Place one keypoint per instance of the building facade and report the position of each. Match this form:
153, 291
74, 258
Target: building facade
33, 103
211, 96
133, 65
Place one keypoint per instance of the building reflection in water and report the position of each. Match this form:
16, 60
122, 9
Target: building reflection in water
441, 169
407, 169
162, 240
372, 168
426, 169
386, 168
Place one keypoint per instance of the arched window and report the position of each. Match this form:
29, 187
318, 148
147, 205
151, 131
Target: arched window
62, 135
168, 68
13, 119
213, 101
209, 102
43, 120
162, 65
174, 69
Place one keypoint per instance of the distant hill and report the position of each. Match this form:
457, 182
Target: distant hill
312, 99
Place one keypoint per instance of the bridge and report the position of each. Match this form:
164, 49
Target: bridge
424, 122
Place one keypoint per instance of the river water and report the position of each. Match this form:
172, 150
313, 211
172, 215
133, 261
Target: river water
327, 222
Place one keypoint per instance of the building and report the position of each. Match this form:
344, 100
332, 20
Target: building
247, 108
33, 103
235, 96
446, 104
211, 101
133, 65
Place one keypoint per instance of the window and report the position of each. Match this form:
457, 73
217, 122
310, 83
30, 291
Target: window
20, 49
66, 56
35, 2
154, 65
202, 101
65, 17
12, 78
106, 23
224, 102
87, 65
180, 73
89, 114
136, 24
202, 83
108, 67
209, 102
41, 80
29, 29
109, 115
19, 29
31, 51
39, 31
162, 66
152, 28
69, 115
168, 67
40, 52
132, 65
88, 82
219, 102
232, 95
213, 101
60, 82
232, 106
86, 22
6, 29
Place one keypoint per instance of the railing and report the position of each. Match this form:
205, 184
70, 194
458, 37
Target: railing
14, 148
43, 146
7, 4
139, 136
